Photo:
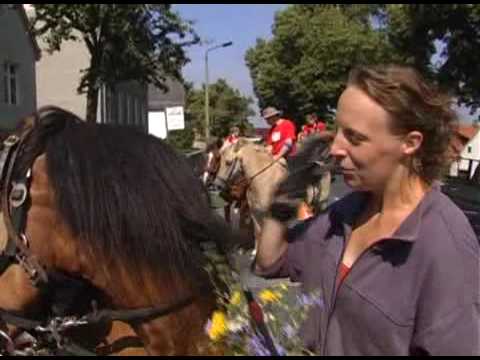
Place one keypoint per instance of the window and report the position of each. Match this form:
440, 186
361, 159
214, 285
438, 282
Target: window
10, 83
137, 112
469, 149
108, 104
128, 110
120, 114
142, 113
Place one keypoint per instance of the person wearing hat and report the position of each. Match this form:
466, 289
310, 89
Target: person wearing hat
282, 135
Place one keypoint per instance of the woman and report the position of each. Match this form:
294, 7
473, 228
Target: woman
396, 262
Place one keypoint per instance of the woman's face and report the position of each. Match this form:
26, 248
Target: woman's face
365, 147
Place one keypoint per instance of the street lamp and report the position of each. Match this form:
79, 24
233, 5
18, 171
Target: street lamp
207, 120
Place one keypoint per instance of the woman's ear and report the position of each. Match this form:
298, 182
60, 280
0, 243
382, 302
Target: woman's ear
412, 142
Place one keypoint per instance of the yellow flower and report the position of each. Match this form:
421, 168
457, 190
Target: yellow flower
218, 327
268, 296
236, 298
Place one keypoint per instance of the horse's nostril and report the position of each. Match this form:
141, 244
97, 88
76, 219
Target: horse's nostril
219, 184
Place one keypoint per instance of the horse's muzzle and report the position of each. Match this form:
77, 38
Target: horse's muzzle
220, 184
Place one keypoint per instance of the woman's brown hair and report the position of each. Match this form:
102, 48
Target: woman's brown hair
414, 105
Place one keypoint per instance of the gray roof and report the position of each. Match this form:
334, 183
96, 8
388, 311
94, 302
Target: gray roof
26, 23
158, 100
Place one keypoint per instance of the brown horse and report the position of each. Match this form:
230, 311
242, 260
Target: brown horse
108, 216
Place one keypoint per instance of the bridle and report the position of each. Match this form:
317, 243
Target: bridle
229, 181
15, 204
15, 201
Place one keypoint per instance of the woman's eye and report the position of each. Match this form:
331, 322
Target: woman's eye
354, 137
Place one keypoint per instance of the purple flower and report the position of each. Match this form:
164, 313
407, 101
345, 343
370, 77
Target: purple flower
289, 331
281, 351
256, 347
309, 300
208, 326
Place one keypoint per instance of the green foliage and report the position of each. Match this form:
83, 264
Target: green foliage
228, 107
305, 66
181, 139
140, 42
415, 28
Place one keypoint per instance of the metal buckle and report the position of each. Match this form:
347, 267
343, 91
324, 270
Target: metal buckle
25, 241
11, 140
10, 345
18, 194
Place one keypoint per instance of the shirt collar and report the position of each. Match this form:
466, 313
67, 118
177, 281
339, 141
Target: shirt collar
349, 208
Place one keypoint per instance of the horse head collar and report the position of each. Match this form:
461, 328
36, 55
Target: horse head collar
233, 170
14, 196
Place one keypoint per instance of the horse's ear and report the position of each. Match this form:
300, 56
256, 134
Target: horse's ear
327, 136
29, 121
315, 148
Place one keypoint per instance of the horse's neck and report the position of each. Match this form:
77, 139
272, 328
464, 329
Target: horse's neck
174, 339
182, 332
254, 162
265, 174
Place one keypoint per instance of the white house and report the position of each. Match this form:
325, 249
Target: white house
468, 145
159, 103
18, 54
58, 77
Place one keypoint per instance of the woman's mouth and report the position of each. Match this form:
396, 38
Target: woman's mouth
347, 171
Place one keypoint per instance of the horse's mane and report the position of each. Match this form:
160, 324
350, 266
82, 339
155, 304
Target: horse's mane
243, 143
130, 200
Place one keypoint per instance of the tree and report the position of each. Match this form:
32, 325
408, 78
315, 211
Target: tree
414, 29
304, 67
141, 42
182, 139
227, 108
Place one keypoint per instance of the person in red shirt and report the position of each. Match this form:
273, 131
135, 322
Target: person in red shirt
234, 135
313, 126
282, 134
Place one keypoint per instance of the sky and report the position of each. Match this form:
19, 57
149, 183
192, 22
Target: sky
242, 24
220, 23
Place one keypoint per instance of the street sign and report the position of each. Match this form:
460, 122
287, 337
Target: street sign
175, 118
157, 124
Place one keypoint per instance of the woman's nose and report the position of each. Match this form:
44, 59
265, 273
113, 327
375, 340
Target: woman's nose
337, 148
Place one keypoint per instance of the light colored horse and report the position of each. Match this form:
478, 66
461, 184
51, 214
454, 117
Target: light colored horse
262, 173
